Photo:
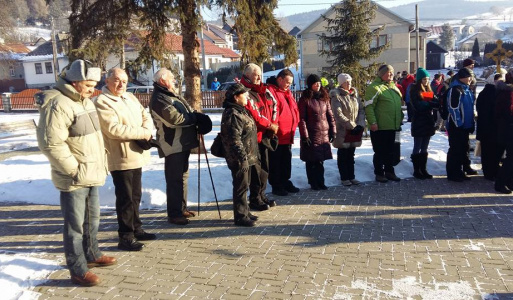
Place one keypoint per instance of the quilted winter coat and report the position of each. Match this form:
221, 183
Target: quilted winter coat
317, 123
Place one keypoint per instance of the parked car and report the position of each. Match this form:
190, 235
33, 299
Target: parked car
147, 89
226, 85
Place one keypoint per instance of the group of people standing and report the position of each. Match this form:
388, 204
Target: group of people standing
83, 140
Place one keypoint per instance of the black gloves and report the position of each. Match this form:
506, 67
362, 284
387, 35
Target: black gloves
203, 123
358, 129
306, 141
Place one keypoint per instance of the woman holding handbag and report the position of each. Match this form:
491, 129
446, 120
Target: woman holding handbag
317, 130
349, 116
423, 126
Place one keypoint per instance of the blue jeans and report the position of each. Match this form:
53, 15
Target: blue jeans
420, 144
81, 211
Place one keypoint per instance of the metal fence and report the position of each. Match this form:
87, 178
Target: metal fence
25, 99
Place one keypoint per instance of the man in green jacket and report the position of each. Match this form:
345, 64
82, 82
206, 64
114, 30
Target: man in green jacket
384, 115
69, 135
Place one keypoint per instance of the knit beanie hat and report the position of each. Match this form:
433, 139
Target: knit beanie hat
385, 69
421, 73
467, 62
81, 70
312, 79
465, 72
343, 77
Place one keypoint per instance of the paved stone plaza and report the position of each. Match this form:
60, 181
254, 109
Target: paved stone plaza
417, 239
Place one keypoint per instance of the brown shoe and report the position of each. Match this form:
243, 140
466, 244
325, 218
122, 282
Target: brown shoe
189, 214
89, 279
102, 262
178, 220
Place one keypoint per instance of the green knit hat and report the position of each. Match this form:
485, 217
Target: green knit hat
421, 73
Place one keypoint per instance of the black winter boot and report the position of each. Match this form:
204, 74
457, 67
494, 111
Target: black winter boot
423, 163
417, 173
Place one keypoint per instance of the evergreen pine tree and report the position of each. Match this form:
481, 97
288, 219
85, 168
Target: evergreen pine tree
447, 37
349, 41
475, 49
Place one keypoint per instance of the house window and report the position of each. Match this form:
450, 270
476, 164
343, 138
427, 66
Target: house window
323, 45
11, 71
379, 41
48, 67
39, 68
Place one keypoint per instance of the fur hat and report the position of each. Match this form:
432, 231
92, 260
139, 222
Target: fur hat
81, 70
465, 72
421, 73
235, 90
385, 69
343, 77
312, 79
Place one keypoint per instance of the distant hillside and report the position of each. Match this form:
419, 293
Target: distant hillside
300, 20
436, 11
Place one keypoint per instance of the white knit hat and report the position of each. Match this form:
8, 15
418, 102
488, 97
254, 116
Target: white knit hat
343, 77
79, 71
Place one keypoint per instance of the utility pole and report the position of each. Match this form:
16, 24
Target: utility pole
203, 59
54, 52
417, 48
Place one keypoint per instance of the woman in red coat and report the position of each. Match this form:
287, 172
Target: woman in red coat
317, 129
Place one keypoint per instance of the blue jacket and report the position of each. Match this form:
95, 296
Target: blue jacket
461, 105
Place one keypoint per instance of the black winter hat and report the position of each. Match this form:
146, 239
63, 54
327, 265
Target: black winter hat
235, 90
465, 72
312, 79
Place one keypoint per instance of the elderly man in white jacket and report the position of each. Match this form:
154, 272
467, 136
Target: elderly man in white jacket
68, 134
124, 122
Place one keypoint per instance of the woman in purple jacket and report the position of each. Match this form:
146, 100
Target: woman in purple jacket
317, 129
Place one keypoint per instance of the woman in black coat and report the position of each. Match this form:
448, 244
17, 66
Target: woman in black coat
239, 136
423, 127
486, 129
317, 129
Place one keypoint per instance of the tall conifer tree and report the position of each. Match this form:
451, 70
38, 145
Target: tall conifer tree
475, 49
350, 41
447, 37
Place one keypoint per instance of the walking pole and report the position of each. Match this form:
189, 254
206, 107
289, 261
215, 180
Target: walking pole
199, 175
209, 172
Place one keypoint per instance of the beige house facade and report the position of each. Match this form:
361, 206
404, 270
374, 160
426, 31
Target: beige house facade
399, 33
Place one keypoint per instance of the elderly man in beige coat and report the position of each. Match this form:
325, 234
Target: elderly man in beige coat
68, 134
124, 121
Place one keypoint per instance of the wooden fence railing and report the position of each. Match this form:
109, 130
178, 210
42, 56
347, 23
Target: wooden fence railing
25, 100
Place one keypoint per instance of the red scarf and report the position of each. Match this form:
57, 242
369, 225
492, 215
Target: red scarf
260, 89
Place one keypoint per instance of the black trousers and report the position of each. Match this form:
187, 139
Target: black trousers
241, 182
259, 175
280, 166
491, 154
315, 172
383, 147
127, 186
505, 173
457, 156
345, 162
176, 170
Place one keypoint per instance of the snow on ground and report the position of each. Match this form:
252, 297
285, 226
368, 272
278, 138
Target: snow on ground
27, 179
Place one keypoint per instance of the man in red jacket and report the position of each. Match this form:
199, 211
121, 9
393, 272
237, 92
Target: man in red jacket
280, 160
262, 107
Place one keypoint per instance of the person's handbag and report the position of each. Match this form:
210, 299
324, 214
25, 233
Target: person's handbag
352, 138
217, 146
